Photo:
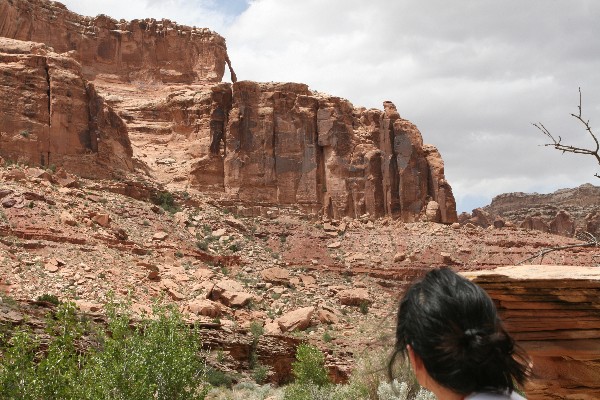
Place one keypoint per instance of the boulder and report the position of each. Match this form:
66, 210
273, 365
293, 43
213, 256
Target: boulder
563, 224
535, 222
204, 307
230, 293
276, 275
67, 218
327, 317
354, 297
432, 212
102, 219
296, 320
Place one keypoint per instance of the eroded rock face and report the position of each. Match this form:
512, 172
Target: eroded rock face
55, 117
554, 314
564, 212
137, 50
259, 143
285, 144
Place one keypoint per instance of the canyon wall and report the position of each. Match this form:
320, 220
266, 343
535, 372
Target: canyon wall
285, 144
145, 50
49, 115
158, 85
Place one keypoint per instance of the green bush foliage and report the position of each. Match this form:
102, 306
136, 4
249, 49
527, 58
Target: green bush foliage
49, 298
159, 359
309, 366
166, 201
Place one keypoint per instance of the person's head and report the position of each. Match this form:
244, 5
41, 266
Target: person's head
449, 327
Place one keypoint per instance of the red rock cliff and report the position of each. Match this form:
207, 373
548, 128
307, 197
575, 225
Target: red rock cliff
259, 143
286, 144
138, 50
49, 115
554, 314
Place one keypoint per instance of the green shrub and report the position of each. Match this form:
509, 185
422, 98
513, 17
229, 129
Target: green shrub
55, 375
216, 377
308, 391
309, 366
202, 245
260, 373
166, 201
49, 298
157, 360
18, 368
364, 307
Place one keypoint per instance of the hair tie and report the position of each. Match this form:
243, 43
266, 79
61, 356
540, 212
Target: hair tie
472, 332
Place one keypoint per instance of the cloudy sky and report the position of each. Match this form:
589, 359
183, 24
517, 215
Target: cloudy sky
472, 75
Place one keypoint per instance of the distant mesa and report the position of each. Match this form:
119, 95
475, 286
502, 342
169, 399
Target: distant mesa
565, 212
100, 96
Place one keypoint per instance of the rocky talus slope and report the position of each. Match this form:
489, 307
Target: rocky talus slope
332, 282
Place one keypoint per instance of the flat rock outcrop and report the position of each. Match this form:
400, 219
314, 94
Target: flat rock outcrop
143, 50
554, 313
50, 115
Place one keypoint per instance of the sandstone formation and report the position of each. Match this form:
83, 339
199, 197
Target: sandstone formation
141, 49
285, 144
258, 143
554, 314
564, 212
49, 114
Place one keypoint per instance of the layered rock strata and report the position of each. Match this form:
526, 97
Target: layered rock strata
259, 143
142, 50
49, 114
554, 314
564, 212
285, 144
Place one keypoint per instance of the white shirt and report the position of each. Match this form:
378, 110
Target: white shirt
494, 396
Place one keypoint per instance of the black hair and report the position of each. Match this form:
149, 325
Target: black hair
453, 326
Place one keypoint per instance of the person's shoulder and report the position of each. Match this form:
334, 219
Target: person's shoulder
495, 396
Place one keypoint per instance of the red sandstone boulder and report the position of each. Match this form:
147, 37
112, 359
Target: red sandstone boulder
204, 307
535, 222
230, 293
354, 297
276, 275
296, 320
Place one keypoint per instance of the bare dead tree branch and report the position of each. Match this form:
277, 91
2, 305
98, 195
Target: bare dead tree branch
589, 241
565, 148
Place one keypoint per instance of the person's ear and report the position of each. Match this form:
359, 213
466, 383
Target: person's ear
417, 365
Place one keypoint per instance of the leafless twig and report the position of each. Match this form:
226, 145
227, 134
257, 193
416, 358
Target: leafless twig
558, 145
589, 239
